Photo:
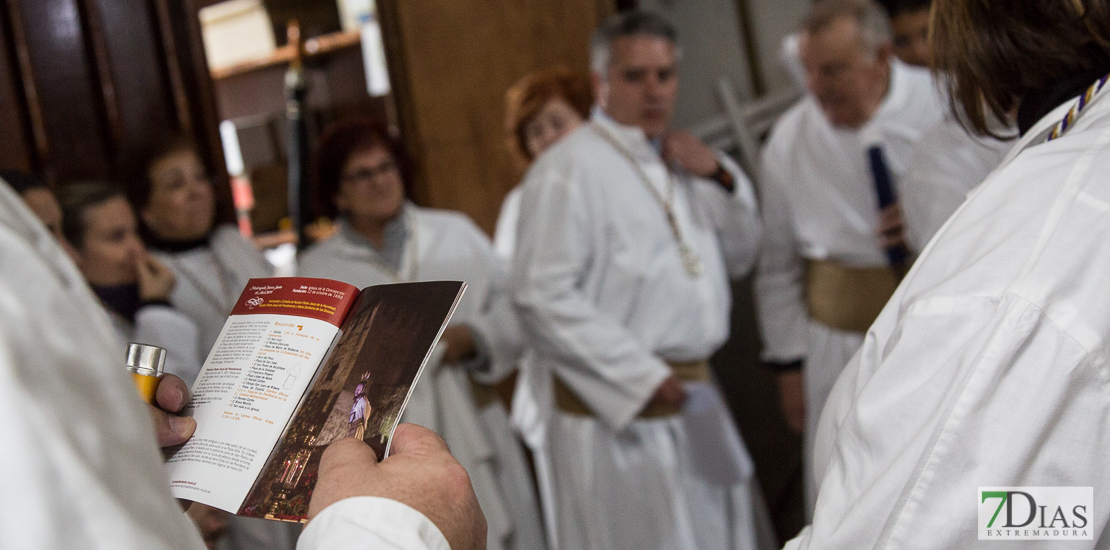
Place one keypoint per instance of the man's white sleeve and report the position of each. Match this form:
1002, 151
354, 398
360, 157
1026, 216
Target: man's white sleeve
780, 276
735, 216
371, 523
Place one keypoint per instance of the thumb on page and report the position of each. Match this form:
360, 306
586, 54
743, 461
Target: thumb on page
348, 468
346, 453
415, 439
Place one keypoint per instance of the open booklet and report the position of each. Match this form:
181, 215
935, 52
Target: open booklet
302, 363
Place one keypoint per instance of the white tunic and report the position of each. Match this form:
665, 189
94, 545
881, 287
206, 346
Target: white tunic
504, 235
80, 468
989, 365
447, 245
210, 279
947, 163
819, 203
532, 404
604, 298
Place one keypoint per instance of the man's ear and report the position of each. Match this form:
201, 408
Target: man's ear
340, 202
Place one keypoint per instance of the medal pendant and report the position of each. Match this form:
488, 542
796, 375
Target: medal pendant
692, 262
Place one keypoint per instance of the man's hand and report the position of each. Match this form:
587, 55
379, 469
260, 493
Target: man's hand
171, 397
170, 429
891, 229
460, 344
156, 281
420, 473
670, 393
793, 396
688, 152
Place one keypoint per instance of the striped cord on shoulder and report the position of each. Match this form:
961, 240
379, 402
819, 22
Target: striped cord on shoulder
1074, 112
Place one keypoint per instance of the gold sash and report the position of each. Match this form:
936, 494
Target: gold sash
847, 298
688, 371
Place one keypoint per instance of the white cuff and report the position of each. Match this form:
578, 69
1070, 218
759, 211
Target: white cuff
377, 523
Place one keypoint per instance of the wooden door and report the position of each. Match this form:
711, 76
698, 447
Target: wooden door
83, 83
451, 62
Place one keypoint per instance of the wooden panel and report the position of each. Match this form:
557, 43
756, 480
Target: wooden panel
67, 87
141, 108
451, 62
85, 82
192, 86
15, 133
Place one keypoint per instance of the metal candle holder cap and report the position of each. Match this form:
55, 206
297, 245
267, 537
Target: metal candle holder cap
145, 359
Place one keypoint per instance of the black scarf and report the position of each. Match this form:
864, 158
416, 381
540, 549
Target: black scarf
121, 299
1036, 104
166, 245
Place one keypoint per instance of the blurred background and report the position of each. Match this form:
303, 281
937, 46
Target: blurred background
84, 84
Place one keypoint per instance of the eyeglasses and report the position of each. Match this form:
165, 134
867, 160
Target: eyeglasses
370, 174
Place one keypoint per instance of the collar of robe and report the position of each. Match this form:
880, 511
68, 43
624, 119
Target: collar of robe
174, 246
394, 237
633, 137
1035, 105
120, 299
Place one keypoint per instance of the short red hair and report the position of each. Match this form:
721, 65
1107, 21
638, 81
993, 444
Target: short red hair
527, 97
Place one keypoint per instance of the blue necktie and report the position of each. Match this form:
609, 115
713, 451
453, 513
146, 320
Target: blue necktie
884, 188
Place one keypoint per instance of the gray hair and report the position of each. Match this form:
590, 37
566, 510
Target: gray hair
874, 25
627, 23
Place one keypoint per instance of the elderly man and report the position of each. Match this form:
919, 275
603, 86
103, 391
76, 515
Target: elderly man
628, 234
834, 250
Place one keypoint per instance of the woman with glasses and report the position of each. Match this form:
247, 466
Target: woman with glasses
361, 177
211, 263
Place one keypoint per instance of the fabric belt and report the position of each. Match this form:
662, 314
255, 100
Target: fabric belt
687, 371
847, 298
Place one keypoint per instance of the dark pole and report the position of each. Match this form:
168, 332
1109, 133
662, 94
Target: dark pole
296, 88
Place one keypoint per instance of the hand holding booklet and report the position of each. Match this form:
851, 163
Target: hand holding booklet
302, 363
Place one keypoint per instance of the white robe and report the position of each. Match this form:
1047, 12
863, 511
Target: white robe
209, 280
603, 296
989, 365
947, 163
223, 269
504, 235
80, 467
819, 203
532, 404
447, 245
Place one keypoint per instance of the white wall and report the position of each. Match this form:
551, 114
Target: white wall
712, 45
709, 32
772, 20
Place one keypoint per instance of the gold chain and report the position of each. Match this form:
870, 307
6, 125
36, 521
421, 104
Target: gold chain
690, 258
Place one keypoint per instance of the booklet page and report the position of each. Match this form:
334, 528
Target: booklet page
252, 382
